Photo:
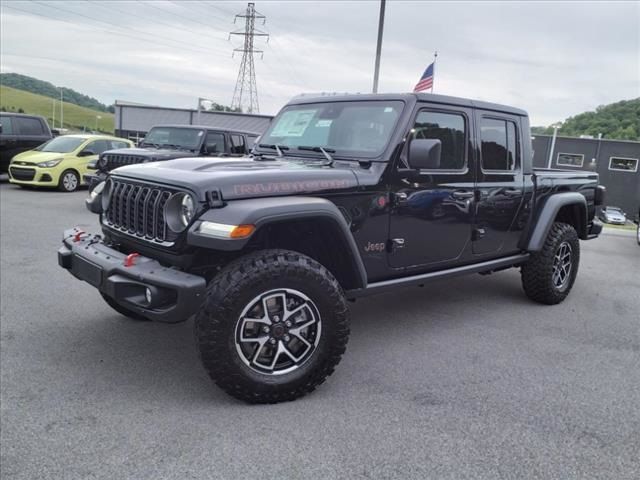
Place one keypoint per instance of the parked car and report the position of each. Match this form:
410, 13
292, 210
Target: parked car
266, 250
19, 133
613, 215
636, 220
62, 161
167, 142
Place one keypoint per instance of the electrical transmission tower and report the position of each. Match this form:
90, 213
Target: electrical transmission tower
245, 94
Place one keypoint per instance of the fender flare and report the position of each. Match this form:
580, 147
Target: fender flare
264, 211
548, 214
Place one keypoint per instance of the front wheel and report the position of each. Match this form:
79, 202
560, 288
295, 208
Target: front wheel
549, 274
69, 181
273, 326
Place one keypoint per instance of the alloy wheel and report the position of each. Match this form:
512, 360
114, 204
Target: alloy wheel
562, 264
278, 331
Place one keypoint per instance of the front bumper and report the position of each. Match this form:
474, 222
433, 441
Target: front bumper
175, 295
93, 179
33, 175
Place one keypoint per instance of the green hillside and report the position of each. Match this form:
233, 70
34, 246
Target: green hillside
618, 121
40, 87
75, 117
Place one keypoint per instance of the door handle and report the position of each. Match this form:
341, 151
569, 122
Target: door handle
462, 195
512, 192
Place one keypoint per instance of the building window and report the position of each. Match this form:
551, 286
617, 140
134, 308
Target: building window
623, 164
570, 160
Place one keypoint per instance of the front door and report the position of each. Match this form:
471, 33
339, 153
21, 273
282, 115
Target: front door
432, 214
500, 186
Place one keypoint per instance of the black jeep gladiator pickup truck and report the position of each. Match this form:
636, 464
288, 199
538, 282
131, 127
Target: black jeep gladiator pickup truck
166, 142
343, 197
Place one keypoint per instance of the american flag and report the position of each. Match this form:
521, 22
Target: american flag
426, 81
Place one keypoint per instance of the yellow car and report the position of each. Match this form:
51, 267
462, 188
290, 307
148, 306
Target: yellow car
62, 161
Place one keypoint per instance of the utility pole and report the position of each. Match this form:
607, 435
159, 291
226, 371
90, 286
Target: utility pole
61, 110
376, 71
553, 144
245, 95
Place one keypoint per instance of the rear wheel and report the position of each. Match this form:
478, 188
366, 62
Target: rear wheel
273, 326
69, 181
123, 310
549, 274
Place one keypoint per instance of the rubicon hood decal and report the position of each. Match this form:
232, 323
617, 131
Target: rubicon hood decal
243, 177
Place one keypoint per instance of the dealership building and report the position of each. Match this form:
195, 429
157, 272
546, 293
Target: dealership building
616, 161
134, 120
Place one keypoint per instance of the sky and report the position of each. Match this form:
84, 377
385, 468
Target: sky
553, 59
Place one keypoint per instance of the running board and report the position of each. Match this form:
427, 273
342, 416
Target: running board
386, 285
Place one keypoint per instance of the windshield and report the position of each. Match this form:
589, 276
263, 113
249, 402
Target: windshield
360, 129
614, 210
174, 137
61, 144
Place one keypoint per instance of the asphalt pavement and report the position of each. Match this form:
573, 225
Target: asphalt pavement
461, 379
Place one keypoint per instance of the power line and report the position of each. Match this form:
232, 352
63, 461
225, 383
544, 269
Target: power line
155, 20
246, 83
179, 16
188, 45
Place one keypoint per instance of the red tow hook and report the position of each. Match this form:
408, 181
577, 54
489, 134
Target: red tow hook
130, 259
78, 236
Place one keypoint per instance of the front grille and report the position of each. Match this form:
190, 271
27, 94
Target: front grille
115, 160
25, 174
138, 209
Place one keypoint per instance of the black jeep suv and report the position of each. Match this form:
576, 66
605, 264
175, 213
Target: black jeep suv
344, 197
167, 142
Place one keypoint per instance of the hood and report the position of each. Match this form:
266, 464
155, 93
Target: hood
32, 157
152, 153
244, 177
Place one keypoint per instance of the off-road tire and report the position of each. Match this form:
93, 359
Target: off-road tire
228, 295
537, 272
65, 186
123, 310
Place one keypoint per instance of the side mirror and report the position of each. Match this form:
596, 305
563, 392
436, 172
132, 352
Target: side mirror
424, 153
86, 153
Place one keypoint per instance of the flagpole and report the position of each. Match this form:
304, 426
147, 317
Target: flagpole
435, 57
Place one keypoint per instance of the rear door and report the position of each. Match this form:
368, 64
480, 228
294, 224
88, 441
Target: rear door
31, 132
500, 183
431, 221
8, 144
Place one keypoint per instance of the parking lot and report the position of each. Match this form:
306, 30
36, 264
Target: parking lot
464, 378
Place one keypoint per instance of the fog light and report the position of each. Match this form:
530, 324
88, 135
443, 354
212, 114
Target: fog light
147, 295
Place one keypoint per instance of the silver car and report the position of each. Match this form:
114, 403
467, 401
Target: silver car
613, 215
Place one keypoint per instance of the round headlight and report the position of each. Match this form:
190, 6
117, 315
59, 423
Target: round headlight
106, 193
179, 211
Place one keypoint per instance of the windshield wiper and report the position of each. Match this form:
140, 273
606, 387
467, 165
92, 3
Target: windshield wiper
176, 146
274, 146
325, 151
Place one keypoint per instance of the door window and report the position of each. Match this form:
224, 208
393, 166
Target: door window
449, 128
113, 144
237, 144
29, 126
499, 144
214, 142
7, 126
98, 146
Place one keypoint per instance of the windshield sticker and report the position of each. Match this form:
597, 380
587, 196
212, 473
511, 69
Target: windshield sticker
293, 123
200, 133
324, 123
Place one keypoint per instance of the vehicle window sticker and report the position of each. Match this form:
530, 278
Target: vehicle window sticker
293, 123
